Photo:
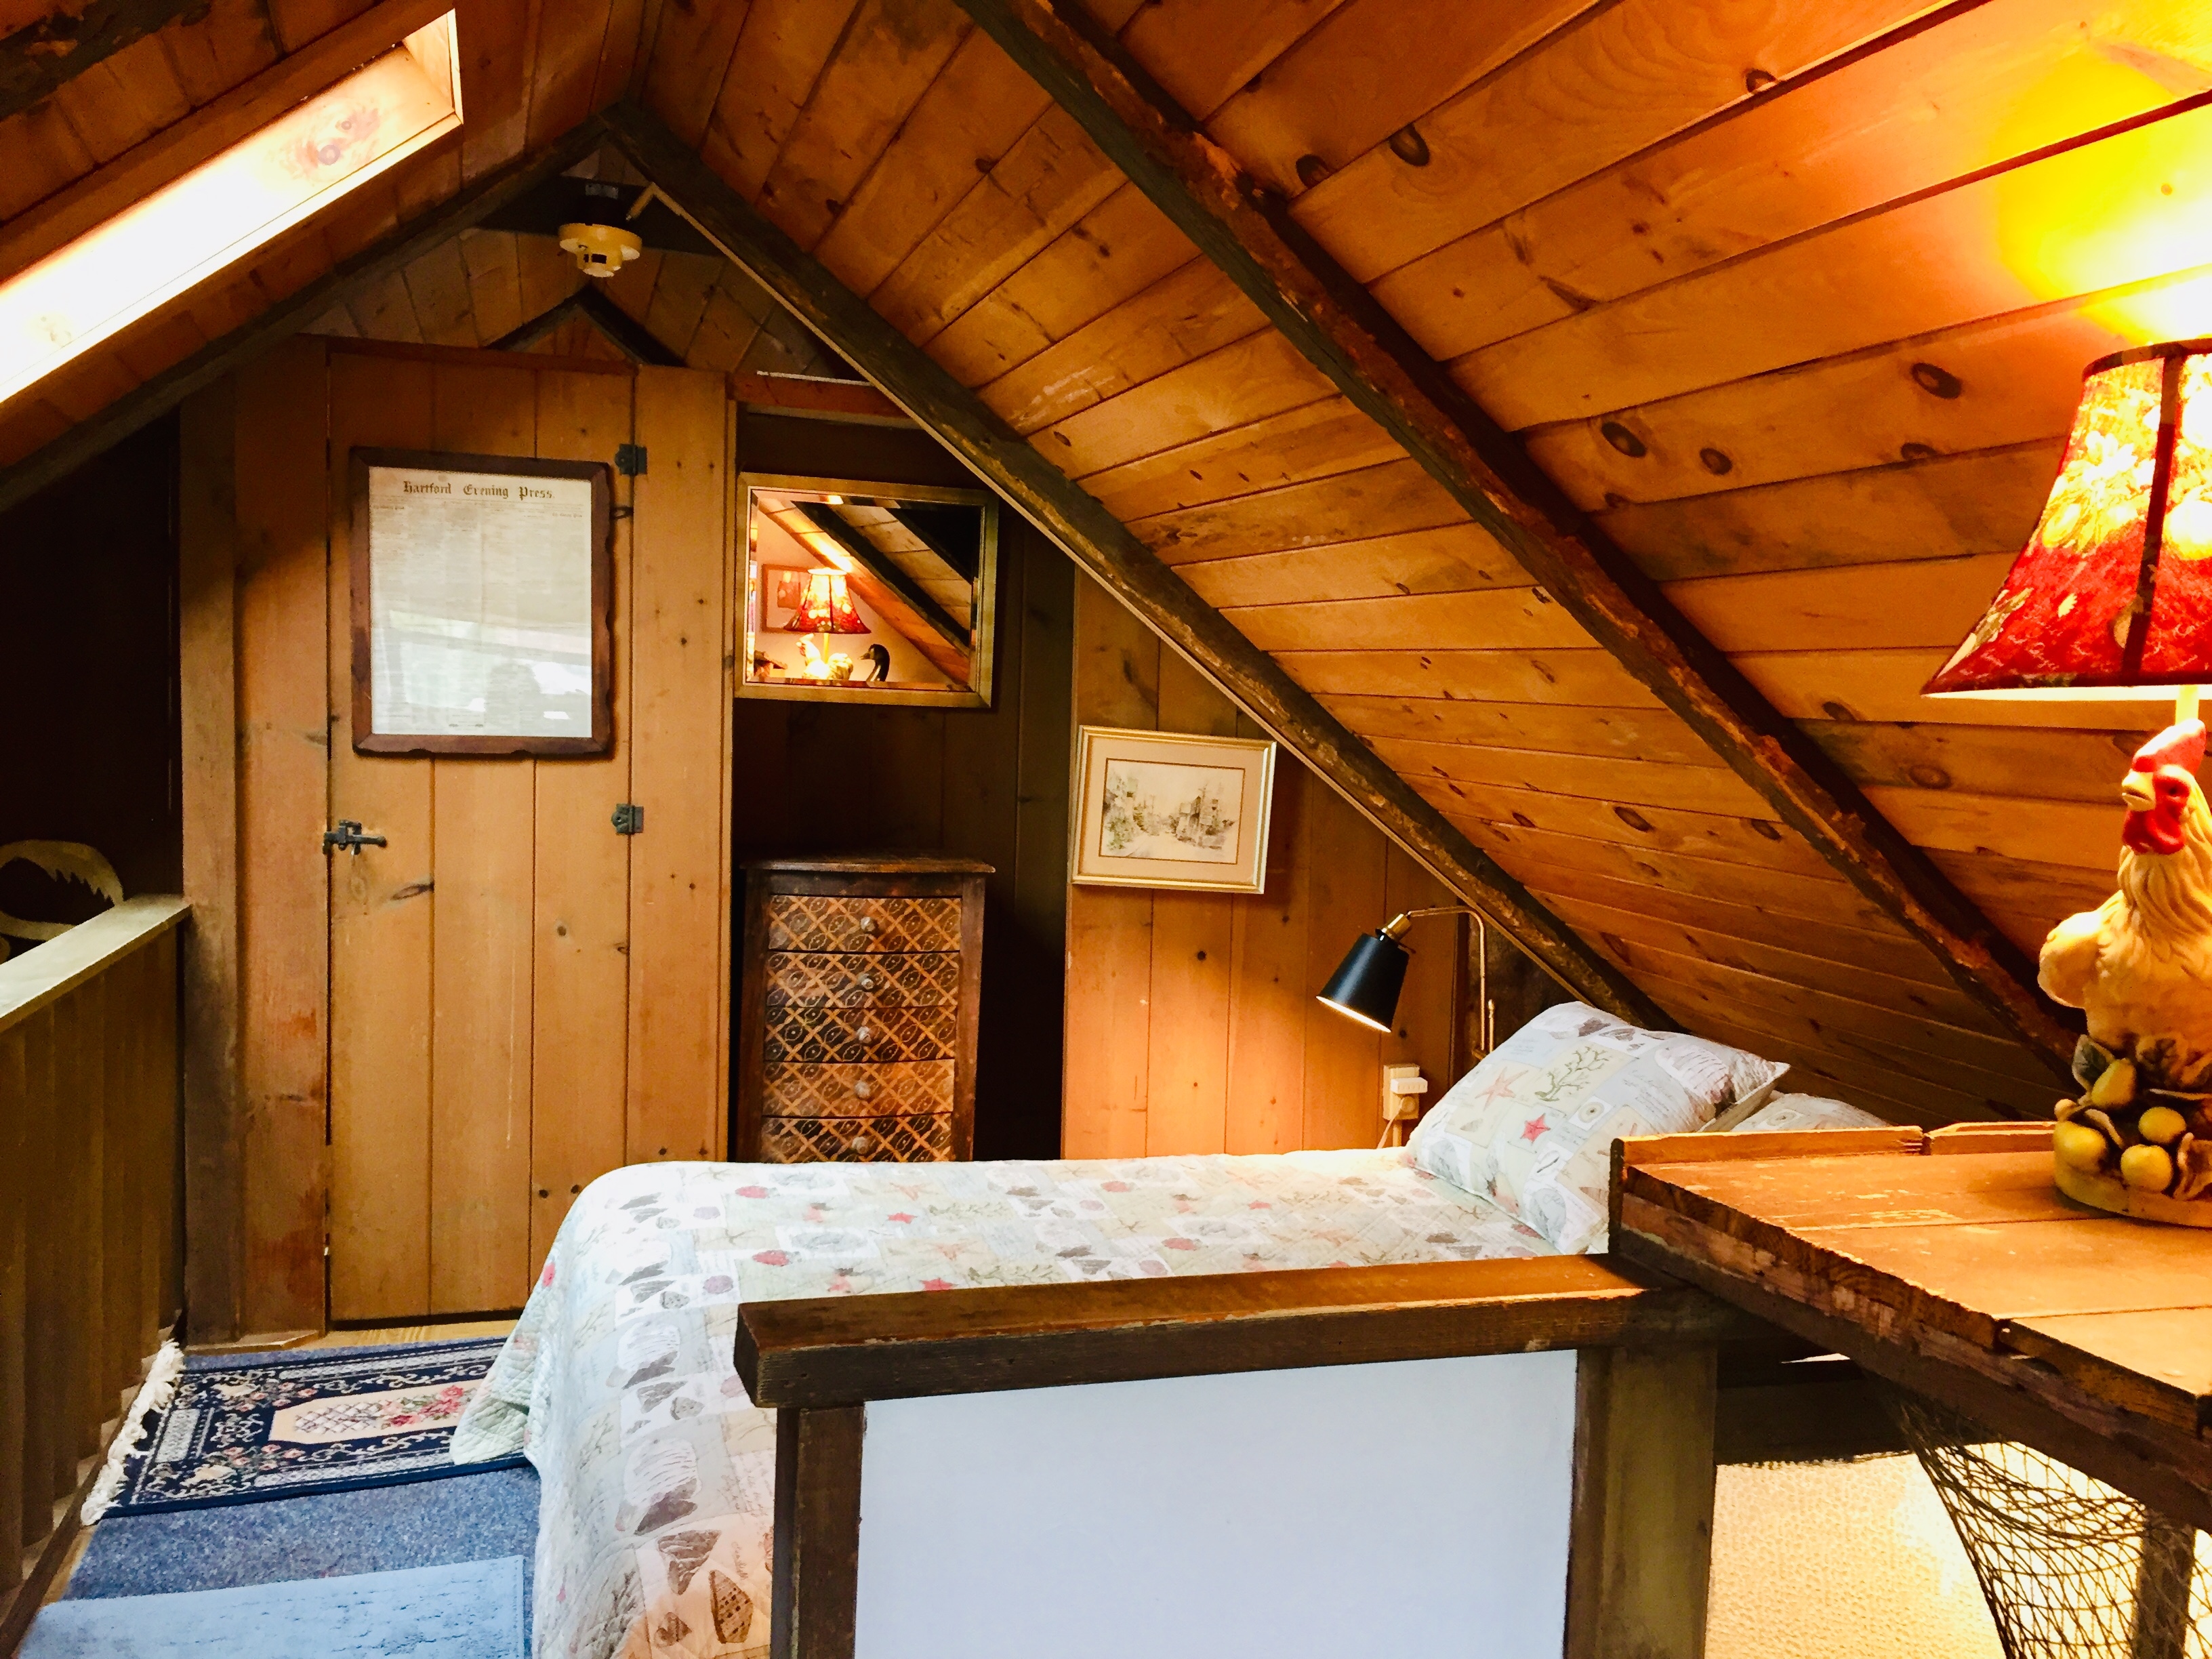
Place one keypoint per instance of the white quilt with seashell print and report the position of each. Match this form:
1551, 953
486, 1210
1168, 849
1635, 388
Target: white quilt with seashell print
659, 1474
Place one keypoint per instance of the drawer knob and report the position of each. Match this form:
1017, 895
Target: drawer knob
867, 924
864, 1090
864, 1033
867, 982
859, 1143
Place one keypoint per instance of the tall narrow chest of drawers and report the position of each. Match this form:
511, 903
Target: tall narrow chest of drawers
858, 1008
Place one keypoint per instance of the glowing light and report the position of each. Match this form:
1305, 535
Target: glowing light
153, 251
2135, 206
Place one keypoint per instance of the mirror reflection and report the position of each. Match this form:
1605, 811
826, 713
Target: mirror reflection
859, 591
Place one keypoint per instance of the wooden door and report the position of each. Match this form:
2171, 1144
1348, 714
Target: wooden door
520, 998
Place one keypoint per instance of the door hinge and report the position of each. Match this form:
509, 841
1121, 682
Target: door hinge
630, 818
629, 460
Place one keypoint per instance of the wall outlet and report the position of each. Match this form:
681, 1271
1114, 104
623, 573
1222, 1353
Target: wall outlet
1402, 1088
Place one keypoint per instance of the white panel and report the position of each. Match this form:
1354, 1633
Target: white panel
1416, 1509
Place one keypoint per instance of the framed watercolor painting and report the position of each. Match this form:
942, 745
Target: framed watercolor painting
1166, 809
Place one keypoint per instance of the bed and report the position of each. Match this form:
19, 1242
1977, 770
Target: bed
658, 1474
658, 1470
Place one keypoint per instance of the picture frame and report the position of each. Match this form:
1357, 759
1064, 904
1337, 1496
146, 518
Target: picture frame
483, 612
1171, 809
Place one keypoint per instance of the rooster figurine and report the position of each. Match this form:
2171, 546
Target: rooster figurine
2139, 965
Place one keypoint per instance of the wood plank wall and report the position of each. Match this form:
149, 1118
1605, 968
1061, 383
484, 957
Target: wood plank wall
583, 1018
90, 1269
1192, 1025
990, 784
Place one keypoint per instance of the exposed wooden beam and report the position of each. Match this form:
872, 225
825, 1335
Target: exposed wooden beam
878, 564
815, 394
287, 316
1128, 569
544, 323
628, 335
621, 330
1246, 231
42, 58
183, 145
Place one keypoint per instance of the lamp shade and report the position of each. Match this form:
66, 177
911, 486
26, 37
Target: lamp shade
826, 608
1366, 983
2113, 596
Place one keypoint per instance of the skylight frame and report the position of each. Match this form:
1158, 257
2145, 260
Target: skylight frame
84, 294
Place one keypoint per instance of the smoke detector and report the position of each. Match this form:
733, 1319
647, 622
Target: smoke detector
600, 250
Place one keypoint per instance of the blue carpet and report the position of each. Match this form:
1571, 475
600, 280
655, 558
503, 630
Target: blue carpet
471, 1611
471, 1517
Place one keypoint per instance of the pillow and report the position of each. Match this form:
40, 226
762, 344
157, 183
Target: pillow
1807, 1112
1532, 1127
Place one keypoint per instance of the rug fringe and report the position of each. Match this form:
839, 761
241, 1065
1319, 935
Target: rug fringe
159, 1387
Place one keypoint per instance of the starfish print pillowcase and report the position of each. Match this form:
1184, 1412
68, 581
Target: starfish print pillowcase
1532, 1127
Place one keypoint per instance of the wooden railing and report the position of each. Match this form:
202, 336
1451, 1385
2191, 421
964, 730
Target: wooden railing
89, 1260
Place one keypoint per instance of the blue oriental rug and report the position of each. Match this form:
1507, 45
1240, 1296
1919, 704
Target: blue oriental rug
314, 1420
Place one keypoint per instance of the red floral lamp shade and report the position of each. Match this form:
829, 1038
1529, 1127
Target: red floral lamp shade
826, 608
2112, 596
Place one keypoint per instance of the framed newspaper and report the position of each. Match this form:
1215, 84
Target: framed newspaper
482, 589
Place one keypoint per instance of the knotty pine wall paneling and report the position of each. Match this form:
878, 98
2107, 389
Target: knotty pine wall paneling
990, 784
1192, 1025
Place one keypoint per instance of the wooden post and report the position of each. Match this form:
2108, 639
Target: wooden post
207, 527
1641, 1542
817, 1531
2162, 1583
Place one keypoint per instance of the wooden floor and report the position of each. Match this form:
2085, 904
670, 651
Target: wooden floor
452, 1331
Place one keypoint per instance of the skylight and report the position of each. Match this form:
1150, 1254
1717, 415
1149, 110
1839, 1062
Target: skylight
301, 162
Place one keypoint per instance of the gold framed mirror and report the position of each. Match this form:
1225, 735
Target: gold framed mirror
859, 592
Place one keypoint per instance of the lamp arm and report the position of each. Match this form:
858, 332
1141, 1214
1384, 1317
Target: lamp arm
1396, 924
1485, 1027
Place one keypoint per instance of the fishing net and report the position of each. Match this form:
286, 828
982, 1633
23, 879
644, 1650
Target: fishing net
2071, 1568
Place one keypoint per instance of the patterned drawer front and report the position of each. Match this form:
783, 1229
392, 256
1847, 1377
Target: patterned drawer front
856, 1139
821, 979
853, 1035
820, 922
924, 1086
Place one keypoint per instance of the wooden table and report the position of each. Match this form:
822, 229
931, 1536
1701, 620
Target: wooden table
1947, 1263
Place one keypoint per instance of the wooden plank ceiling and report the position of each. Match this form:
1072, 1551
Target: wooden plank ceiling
1749, 281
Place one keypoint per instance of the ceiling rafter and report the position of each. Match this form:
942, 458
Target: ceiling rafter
1114, 557
1246, 231
400, 248
621, 331
40, 59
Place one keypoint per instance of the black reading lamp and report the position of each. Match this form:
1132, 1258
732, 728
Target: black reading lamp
1366, 983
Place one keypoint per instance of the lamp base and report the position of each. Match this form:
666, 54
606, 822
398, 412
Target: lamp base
2105, 1192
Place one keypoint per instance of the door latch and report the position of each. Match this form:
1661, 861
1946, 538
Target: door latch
348, 836
630, 818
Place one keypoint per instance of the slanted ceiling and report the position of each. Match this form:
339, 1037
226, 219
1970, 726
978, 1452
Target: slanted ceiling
1756, 286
